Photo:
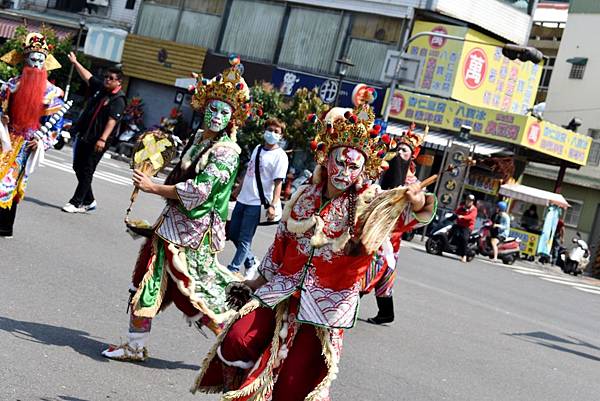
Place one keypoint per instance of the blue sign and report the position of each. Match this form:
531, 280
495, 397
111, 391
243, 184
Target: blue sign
289, 81
382, 124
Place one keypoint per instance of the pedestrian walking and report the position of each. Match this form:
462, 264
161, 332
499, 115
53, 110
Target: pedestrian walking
500, 228
261, 189
96, 125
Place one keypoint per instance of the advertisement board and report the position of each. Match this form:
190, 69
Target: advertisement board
541, 136
473, 71
289, 81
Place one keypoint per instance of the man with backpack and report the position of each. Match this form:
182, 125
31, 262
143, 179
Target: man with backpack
97, 123
259, 195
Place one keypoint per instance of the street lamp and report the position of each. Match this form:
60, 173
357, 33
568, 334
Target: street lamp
343, 65
513, 52
68, 87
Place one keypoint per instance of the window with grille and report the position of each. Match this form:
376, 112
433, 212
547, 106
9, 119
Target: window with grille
573, 213
594, 156
577, 71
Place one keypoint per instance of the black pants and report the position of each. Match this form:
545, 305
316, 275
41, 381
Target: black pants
85, 161
462, 240
7, 220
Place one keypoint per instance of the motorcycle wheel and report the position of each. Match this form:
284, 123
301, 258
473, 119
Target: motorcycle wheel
60, 143
470, 257
433, 246
508, 259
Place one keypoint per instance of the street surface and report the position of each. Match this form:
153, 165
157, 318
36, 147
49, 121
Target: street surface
473, 331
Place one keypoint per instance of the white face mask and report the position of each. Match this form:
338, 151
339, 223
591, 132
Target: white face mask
271, 137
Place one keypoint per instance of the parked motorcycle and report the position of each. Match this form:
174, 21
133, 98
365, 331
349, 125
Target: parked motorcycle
509, 250
126, 140
444, 239
575, 260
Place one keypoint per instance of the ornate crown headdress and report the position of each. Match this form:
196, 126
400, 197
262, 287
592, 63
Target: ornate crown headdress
229, 87
34, 42
414, 140
355, 129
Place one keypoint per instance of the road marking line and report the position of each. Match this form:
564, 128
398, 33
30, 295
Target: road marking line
571, 283
588, 290
58, 166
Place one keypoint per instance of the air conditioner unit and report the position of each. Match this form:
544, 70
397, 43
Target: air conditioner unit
101, 3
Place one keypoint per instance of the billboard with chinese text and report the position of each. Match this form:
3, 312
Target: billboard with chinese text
474, 70
541, 136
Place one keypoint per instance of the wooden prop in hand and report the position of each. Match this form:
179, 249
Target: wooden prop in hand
154, 150
379, 219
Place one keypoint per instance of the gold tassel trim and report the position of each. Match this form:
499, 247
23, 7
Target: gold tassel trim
246, 309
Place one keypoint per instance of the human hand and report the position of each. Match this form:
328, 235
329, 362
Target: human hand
142, 181
256, 283
414, 194
32, 145
271, 213
72, 57
100, 145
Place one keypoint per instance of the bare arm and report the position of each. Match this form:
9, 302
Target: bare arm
145, 183
277, 191
81, 70
108, 128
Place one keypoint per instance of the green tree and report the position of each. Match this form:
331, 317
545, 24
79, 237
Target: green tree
60, 48
293, 111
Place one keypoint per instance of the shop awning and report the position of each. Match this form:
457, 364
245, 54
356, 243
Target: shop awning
533, 195
439, 141
9, 26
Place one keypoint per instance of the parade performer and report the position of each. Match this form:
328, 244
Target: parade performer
28, 101
178, 263
381, 274
285, 344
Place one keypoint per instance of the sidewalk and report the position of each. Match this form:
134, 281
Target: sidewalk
542, 268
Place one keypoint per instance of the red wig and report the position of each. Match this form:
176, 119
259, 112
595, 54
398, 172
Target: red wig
26, 106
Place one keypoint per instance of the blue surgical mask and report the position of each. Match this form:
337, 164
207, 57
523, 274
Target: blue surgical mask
271, 138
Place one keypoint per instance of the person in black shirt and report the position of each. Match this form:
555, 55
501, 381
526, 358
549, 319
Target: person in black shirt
96, 124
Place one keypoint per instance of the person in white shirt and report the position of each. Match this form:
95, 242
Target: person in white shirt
273, 166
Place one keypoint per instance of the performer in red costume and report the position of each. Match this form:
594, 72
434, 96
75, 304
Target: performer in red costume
285, 344
381, 274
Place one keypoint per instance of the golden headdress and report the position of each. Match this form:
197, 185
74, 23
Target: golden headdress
229, 87
413, 139
34, 42
352, 128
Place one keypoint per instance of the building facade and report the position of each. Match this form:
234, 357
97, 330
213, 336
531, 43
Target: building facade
572, 93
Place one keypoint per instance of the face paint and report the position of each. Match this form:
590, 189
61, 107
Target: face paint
35, 60
344, 167
217, 115
404, 152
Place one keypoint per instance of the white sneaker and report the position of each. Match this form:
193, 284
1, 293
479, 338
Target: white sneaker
91, 207
70, 208
134, 350
252, 273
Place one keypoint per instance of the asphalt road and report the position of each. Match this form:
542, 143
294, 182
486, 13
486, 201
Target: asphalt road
462, 332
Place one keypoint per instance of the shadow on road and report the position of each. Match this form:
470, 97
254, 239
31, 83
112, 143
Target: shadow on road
79, 341
557, 343
41, 203
63, 398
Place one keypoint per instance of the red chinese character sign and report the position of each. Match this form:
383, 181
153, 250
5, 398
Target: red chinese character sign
437, 42
475, 68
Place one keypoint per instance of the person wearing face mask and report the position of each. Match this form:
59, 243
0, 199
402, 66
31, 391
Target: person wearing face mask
381, 274
178, 264
272, 168
285, 343
28, 101
94, 128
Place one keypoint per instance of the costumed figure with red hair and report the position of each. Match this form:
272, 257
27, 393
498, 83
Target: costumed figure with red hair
381, 274
178, 264
29, 102
285, 343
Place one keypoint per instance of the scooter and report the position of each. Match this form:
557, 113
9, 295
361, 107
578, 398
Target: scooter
443, 239
509, 250
577, 259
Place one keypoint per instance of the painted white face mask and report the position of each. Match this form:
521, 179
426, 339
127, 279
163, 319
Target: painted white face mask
217, 115
35, 60
271, 137
344, 167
